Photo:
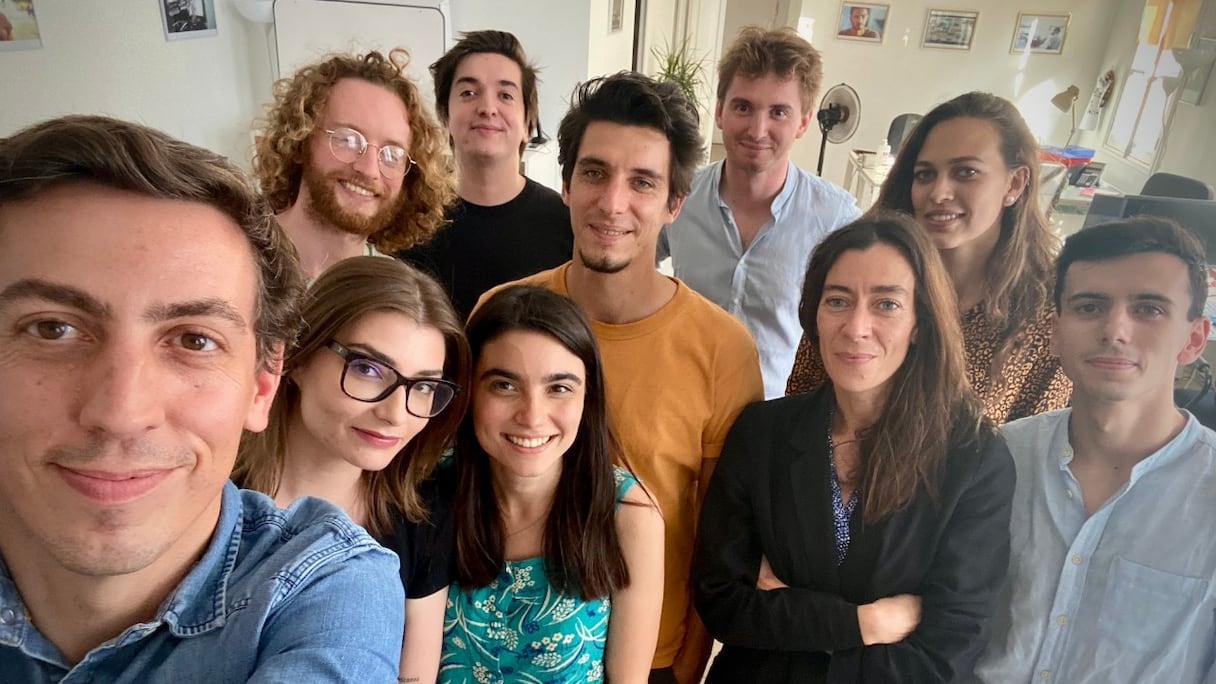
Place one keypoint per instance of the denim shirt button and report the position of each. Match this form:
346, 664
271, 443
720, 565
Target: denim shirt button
8, 616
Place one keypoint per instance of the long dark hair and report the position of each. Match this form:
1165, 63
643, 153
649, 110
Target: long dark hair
930, 404
344, 293
1019, 272
581, 549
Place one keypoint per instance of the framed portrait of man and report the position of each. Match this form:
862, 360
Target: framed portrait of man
863, 21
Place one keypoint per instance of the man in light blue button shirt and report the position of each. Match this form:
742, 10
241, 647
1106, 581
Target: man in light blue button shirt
1113, 575
146, 297
749, 225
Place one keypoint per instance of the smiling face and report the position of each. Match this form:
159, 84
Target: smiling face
129, 366
528, 398
760, 119
618, 196
366, 435
1122, 330
960, 184
486, 114
355, 197
866, 319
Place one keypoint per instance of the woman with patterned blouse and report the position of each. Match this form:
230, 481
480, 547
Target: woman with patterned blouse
969, 175
559, 554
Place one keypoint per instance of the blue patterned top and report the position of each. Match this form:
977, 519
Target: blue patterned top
519, 629
841, 512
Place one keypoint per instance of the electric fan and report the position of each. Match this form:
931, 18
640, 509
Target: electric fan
839, 115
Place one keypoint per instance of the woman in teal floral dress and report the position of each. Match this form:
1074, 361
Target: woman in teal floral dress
559, 554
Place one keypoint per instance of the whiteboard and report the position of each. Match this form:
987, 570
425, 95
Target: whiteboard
307, 30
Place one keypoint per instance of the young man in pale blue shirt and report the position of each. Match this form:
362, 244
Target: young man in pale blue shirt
751, 221
146, 297
1113, 575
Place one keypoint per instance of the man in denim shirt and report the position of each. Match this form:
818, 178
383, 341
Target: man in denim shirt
145, 299
1113, 575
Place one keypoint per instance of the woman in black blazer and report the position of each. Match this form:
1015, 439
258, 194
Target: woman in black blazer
860, 533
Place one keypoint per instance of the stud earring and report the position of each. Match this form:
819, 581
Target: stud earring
1009, 200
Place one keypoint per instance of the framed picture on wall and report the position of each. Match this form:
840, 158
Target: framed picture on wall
19, 26
862, 21
949, 29
187, 18
1040, 33
616, 18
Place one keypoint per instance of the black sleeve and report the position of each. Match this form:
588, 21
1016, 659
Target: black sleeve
960, 591
427, 549
727, 561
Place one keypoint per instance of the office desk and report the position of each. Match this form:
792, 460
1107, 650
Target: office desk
862, 181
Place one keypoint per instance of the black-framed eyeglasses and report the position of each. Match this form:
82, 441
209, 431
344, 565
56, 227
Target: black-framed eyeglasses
370, 380
347, 145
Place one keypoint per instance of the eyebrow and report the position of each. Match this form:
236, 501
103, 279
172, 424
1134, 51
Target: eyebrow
516, 377
877, 289
209, 308
956, 160
65, 295
638, 170
1137, 297
35, 288
505, 83
377, 355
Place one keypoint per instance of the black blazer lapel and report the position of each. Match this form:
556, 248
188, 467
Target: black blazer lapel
814, 534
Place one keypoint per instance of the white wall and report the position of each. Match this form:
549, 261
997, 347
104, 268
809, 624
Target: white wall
900, 76
112, 58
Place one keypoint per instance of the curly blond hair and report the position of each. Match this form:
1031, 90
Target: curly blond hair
279, 153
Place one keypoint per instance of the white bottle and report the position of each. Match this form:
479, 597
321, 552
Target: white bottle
884, 153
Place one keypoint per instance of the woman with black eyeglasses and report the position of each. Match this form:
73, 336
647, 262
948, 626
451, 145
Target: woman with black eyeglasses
373, 391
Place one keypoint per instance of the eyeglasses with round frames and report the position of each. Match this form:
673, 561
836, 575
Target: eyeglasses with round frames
347, 145
370, 380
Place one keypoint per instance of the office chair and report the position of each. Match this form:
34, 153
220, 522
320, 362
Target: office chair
1172, 185
901, 126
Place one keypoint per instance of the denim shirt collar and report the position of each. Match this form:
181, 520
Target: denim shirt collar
197, 605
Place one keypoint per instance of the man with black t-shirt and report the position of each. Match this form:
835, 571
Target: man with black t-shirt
504, 226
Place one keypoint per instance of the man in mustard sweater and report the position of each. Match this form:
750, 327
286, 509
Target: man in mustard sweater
678, 368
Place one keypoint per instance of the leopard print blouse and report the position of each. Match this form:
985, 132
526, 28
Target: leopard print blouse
1030, 381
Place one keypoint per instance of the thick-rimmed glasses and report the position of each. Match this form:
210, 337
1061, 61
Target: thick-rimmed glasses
367, 379
347, 145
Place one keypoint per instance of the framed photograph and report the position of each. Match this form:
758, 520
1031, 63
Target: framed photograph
862, 21
949, 29
1196, 78
616, 18
1040, 33
187, 18
19, 26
